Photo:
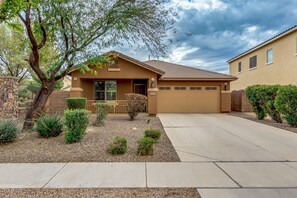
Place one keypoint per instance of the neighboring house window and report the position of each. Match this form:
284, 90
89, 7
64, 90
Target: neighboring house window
253, 61
269, 56
239, 67
105, 90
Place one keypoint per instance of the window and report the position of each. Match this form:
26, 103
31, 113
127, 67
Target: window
210, 88
164, 88
195, 88
269, 56
253, 61
105, 90
180, 88
239, 67
296, 46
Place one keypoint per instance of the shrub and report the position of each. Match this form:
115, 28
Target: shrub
254, 99
262, 98
76, 122
153, 133
286, 103
136, 104
76, 103
101, 109
118, 145
145, 146
49, 125
8, 131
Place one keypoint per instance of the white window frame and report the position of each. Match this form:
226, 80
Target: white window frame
267, 56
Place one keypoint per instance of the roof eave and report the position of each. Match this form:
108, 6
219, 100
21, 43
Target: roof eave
198, 79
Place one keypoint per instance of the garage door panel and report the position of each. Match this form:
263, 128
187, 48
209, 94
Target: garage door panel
189, 101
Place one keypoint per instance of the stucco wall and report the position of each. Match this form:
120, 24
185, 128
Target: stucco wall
83, 83
8, 97
281, 71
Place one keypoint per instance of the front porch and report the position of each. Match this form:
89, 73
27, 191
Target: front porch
111, 91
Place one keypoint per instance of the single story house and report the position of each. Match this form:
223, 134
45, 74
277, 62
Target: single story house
170, 88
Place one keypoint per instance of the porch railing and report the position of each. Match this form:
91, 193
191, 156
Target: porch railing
118, 106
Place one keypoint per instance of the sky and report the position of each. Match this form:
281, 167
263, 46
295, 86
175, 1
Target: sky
210, 32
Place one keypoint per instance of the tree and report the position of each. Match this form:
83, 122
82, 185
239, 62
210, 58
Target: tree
13, 52
79, 30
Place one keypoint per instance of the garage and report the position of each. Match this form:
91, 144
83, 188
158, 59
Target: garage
188, 99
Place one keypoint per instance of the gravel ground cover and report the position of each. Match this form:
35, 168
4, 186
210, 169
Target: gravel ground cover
102, 193
30, 148
267, 121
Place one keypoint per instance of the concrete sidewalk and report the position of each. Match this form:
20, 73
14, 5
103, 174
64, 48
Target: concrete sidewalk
113, 175
152, 175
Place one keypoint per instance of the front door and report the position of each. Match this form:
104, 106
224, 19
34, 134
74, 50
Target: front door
140, 89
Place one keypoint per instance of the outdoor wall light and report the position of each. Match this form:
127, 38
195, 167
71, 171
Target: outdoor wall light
226, 86
153, 83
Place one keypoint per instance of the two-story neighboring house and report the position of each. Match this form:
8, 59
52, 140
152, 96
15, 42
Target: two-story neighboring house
271, 62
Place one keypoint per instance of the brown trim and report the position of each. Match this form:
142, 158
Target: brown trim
197, 79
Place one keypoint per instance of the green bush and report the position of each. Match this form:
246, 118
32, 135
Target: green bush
286, 103
101, 110
76, 103
262, 98
153, 133
118, 145
8, 131
145, 146
252, 94
136, 104
49, 125
76, 122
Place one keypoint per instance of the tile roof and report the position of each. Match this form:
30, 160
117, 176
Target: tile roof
291, 29
175, 71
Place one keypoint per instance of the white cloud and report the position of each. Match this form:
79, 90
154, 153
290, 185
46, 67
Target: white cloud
177, 54
253, 35
200, 4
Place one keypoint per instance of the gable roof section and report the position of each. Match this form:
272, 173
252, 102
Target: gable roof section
180, 72
132, 60
139, 63
278, 36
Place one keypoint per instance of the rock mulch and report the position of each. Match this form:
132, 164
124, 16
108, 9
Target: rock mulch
29, 148
102, 193
267, 121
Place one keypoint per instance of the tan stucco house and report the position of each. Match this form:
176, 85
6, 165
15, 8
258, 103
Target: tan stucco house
170, 88
271, 62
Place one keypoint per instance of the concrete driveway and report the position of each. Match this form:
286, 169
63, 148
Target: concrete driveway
260, 159
224, 138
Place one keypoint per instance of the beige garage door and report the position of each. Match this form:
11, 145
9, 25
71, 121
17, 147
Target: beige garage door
189, 99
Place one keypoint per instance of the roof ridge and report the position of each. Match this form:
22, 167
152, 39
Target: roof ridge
227, 75
262, 43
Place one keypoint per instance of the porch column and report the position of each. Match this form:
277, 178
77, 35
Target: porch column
76, 92
152, 101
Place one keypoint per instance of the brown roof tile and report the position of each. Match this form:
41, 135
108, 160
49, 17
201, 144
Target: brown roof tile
175, 71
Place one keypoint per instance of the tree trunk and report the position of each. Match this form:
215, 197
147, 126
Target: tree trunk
37, 106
